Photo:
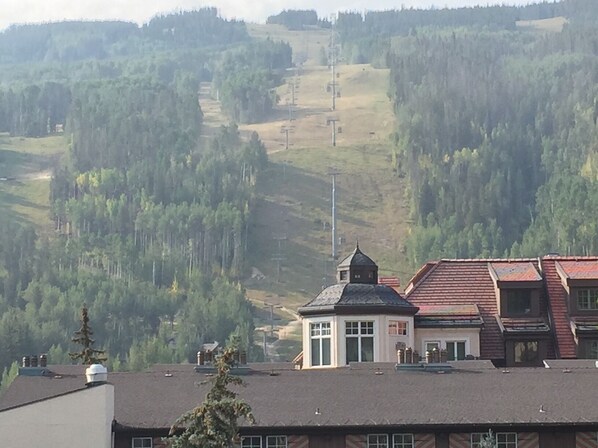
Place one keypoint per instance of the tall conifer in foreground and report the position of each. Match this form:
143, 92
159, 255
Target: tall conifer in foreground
213, 424
83, 337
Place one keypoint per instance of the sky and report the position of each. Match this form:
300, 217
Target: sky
140, 11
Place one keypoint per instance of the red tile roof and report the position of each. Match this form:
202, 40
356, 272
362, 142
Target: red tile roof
448, 310
462, 282
580, 270
516, 272
393, 282
557, 297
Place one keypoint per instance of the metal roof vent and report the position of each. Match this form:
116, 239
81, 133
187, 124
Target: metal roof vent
96, 374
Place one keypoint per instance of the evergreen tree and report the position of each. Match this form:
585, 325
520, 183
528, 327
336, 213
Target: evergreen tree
488, 440
83, 337
213, 424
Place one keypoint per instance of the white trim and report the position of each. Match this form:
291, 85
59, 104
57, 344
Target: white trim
251, 437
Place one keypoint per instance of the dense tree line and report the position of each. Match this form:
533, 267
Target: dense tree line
368, 37
245, 78
496, 135
150, 219
297, 19
74, 41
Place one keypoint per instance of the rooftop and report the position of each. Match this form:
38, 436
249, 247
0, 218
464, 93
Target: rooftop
473, 393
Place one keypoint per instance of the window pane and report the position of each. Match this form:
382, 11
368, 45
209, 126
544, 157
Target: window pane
315, 352
526, 352
325, 351
367, 349
367, 327
519, 301
506, 440
276, 442
315, 329
352, 350
377, 441
587, 299
402, 440
325, 328
352, 328
450, 351
251, 442
142, 442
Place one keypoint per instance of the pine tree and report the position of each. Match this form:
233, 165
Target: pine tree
488, 440
213, 424
83, 337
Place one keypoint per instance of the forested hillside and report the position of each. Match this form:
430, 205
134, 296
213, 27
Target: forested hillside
496, 127
150, 213
154, 225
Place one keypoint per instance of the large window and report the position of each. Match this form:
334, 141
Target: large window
402, 441
587, 299
377, 441
142, 442
502, 439
251, 442
455, 350
276, 442
320, 343
526, 352
359, 341
397, 327
519, 302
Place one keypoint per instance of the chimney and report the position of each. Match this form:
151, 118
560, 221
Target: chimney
26, 361
34, 361
43, 360
96, 374
200, 358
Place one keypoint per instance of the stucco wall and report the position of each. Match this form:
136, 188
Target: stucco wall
471, 336
81, 418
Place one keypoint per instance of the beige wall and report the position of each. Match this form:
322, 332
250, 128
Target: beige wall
471, 336
82, 418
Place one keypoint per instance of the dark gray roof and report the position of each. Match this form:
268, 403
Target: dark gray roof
351, 296
357, 258
370, 395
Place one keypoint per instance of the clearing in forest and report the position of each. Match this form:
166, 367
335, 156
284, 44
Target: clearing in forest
26, 166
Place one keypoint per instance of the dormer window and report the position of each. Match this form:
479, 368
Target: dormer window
519, 302
343, 276
587, 299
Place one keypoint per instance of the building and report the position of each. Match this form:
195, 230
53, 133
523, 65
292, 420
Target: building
363, 405
529, 309
354, 390
346, 321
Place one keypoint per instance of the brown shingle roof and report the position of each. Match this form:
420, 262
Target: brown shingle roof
349, 397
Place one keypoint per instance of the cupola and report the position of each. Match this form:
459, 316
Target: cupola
357, 268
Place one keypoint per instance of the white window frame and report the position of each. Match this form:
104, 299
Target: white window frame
378, 443
398, 327
591, 296
252, 442
142, 439
362, 332
274, 444
409, 443
320, 331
